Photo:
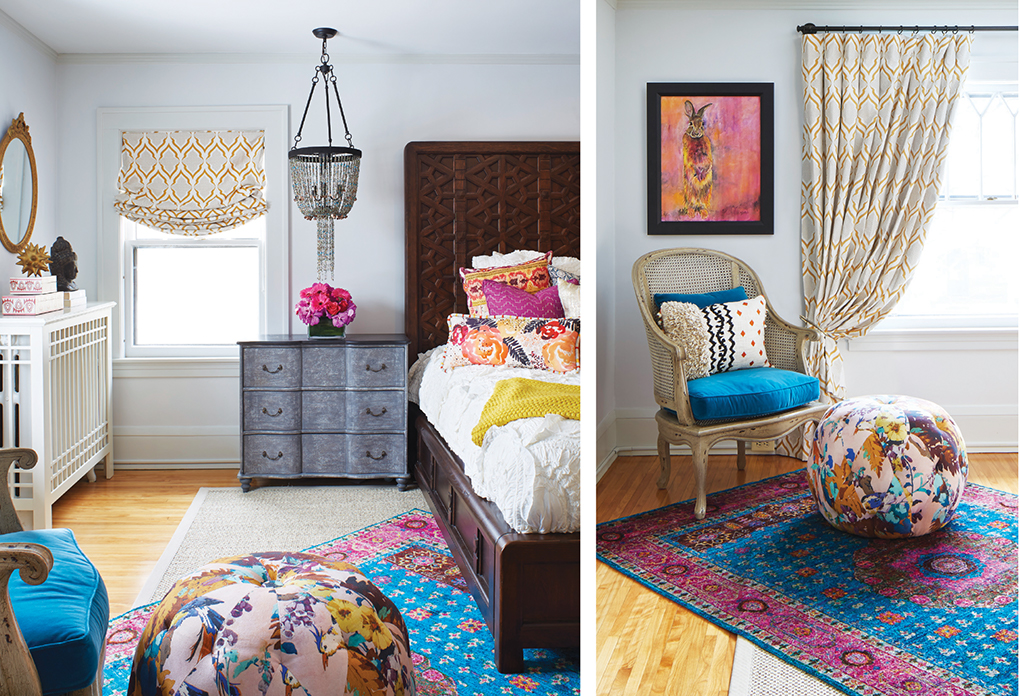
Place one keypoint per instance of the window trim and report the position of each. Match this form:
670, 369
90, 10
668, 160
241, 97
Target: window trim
275, 121
907, 328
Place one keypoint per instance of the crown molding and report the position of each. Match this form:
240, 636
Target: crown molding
35, 41
819, 5
339, 59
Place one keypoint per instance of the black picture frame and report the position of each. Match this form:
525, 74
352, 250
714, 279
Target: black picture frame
687, 184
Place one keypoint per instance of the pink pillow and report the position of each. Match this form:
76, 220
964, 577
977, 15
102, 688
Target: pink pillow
506, 300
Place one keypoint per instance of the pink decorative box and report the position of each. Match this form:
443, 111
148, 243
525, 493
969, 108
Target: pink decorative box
33, 285
30, 305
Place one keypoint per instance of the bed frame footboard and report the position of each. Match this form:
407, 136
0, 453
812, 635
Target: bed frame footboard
527, 586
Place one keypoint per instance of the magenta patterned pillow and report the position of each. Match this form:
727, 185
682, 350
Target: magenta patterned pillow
506, 300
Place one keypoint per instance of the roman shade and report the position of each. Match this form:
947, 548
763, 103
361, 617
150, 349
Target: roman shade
192, 183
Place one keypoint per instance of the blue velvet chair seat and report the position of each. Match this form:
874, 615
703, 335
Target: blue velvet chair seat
64, 619
750, 393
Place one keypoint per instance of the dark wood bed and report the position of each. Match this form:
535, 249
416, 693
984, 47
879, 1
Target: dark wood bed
465, 199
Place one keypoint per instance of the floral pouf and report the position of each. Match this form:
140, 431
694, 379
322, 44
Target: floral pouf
887, 466
274, 623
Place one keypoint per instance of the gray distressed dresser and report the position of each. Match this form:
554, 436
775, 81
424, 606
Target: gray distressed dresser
324, 407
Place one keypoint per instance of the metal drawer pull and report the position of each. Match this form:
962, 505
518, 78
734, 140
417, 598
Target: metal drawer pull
272, 415
381, 413
279, 368
369, 368
368, 453
270, 457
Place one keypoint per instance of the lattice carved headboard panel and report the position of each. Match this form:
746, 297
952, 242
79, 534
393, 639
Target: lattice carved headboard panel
466, 199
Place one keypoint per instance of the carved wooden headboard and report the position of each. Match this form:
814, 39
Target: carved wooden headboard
466, 199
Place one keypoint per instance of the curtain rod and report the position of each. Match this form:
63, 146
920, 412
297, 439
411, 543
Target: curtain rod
812, 29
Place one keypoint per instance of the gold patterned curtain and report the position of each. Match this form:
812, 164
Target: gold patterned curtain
192, 182
877, 111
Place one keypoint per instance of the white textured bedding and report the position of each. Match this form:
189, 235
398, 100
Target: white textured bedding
530, 468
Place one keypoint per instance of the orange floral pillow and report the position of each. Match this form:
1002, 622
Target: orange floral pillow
539, 344
531, 276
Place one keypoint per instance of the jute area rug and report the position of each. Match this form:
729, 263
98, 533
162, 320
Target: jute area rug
226, 522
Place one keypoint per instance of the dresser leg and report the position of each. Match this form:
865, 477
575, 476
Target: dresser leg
405, 483
245, 485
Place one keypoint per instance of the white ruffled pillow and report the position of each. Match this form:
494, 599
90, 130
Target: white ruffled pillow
570, 264
717, 338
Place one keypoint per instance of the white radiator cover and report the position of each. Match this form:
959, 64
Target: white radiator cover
56, 375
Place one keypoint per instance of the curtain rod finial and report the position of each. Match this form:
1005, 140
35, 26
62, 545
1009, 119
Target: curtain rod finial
808, 28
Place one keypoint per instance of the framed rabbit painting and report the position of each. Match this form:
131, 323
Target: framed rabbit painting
710, 158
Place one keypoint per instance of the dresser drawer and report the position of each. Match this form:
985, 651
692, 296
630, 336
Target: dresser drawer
271, 454
272, 411
376, 366
352, 411
324, 365
386, 454
272, 367
376, 411
361, 456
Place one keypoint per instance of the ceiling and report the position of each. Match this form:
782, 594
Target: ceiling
471, 27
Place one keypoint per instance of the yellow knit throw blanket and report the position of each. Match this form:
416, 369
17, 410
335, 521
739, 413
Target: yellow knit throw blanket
518, 397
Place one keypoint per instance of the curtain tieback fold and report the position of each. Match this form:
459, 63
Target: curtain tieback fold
831, 335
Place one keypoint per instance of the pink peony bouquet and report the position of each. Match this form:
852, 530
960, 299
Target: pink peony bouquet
320, 300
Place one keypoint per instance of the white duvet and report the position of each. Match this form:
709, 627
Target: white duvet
530, 468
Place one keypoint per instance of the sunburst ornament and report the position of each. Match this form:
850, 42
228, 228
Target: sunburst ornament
34, 260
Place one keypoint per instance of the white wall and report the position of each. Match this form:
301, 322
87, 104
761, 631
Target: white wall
388, 104
605, 393
28, 85
672, 43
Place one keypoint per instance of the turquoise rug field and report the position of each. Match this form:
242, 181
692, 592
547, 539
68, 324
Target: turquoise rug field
933, 615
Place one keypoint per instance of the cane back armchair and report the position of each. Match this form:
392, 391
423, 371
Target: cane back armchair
696, 271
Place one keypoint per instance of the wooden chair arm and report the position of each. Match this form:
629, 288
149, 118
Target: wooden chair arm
18, 675
25, 458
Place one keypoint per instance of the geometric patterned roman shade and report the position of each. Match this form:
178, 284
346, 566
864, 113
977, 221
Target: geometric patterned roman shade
192, 182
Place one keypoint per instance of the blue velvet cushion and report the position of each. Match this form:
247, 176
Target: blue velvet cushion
750, 393
64, 619
702, 300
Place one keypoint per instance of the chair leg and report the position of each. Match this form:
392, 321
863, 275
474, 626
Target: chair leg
700, 452
664, 463
741, 455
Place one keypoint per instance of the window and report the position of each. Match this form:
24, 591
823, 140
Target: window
194, 296
967, 274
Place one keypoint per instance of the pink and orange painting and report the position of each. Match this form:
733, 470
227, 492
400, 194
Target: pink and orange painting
711, 158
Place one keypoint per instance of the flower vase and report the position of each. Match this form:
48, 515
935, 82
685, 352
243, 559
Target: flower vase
325, 329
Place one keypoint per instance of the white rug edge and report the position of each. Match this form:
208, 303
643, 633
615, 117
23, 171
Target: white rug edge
743, 665
159, 570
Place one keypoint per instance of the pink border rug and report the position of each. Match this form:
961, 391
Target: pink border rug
934, 615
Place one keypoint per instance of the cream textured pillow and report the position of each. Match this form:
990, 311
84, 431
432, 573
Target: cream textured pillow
570, 298
685, 324
720, 337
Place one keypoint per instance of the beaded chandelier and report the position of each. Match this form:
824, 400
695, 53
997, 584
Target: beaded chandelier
325, 179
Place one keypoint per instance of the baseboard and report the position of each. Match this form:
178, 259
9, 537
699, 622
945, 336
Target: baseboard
176, 447
605, 445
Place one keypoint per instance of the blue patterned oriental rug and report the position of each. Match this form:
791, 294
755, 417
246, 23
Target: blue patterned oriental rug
408, 560
933, 615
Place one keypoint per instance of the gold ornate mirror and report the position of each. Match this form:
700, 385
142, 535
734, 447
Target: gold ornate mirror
19, 186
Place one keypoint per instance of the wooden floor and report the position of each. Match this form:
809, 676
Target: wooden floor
124, 523
647, 644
